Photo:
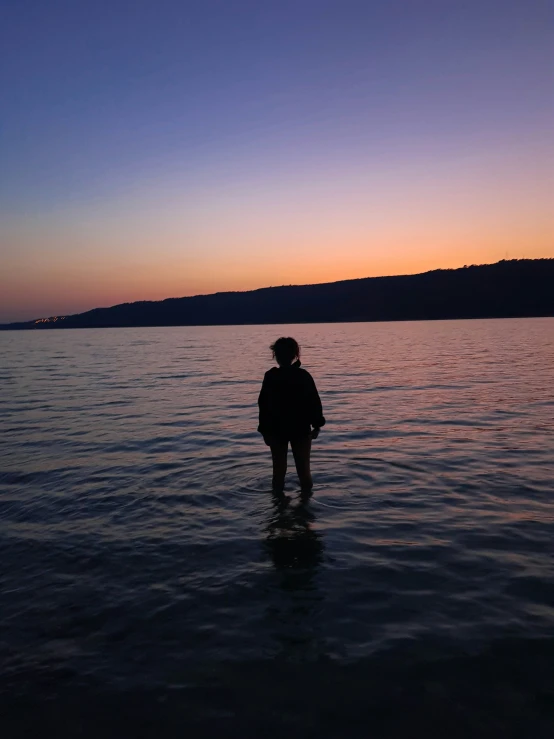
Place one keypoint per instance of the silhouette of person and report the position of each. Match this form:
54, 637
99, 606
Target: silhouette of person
290, 411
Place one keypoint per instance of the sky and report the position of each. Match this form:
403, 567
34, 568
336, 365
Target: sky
162, 148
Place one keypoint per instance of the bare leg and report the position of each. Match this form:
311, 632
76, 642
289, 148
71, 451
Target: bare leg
279, 451
301, 449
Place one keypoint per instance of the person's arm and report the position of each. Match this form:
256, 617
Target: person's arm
317, 418
263, 405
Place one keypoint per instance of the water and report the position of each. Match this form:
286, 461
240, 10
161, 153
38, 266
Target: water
143, 556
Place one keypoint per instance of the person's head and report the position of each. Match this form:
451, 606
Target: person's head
285, 350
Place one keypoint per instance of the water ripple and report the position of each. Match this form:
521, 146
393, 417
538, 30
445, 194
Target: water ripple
138, 535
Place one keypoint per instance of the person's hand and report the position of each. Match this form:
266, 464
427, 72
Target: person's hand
267, 441
315, 433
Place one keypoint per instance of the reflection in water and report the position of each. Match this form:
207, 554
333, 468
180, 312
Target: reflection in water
296, 550
291, 540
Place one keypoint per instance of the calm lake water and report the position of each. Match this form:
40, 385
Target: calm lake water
143, 557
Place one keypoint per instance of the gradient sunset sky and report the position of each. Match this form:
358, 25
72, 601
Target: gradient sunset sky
159, 148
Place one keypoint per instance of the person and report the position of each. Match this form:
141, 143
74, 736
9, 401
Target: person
290, 411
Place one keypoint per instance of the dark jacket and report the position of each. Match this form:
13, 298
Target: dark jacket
289, 403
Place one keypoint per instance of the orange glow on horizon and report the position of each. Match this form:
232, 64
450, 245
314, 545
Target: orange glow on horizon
70, 290
78, 259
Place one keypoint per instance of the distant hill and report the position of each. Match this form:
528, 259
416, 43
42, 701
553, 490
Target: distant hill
519, 287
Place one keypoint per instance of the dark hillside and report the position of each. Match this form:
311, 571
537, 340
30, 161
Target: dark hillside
506, 289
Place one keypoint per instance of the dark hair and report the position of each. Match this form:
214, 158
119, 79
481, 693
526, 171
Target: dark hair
285, 350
